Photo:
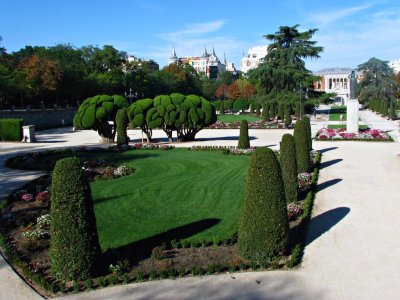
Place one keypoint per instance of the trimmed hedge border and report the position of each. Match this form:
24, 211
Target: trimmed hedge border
11, 129
50, 287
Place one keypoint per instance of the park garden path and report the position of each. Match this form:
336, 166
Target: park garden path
352, 244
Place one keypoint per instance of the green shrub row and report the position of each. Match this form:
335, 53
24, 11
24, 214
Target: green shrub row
11, 129
303, 143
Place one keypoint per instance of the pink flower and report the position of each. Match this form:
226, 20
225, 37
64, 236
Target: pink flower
27, 197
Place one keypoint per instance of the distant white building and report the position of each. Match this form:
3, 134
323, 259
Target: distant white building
334, 80
254, 57
395, 65
208, 64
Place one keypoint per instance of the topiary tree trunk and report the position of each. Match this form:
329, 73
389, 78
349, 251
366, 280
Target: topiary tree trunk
263, 228
74, 243
121, 122
289, 167
302, 146
244, 142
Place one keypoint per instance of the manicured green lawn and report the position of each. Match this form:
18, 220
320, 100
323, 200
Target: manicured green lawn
237, 118
337, 126
171, 189
336, 111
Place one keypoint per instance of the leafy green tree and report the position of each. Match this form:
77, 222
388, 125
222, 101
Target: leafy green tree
263, 227
289, 167
284, 67
137, 114
244, 142
378, 81
96, 113
74, 243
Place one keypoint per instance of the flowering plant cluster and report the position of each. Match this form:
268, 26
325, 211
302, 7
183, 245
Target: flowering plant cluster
304, 180
27, 197
225, 149
141, 146
35, 234
294, 211
342, 134
122, 171
43, 196
251, 125
43, 221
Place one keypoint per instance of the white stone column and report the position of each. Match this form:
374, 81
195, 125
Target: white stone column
28, 134
352, 116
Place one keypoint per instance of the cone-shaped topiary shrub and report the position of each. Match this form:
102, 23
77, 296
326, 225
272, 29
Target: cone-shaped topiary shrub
121, 120
74, 243
302, 146
288, 118
289, 167
263, 228
244, 141
265, 112
306, 120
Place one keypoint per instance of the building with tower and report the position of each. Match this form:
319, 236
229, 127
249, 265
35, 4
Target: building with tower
208, 64
254, 57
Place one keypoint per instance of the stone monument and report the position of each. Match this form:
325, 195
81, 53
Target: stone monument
352, 106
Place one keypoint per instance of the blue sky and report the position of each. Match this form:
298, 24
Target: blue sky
350, 31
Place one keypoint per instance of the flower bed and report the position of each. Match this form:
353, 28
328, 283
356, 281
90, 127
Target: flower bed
372, 135
252, 125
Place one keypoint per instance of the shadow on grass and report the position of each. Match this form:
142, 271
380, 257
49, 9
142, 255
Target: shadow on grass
142, 249
328, 183
324, 222
327, 149
329, 163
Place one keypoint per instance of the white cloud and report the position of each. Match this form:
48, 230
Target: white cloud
325, 18
348, 44
196, 29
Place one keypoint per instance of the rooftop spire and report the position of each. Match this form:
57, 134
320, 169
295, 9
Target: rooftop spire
205, 54
174, 54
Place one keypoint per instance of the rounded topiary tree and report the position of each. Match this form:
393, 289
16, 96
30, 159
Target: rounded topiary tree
289, 167
121, 121
137, 113
244, 141
302, 146
263, 228
74, 243
96, 113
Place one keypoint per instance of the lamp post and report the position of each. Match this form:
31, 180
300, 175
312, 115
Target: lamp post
131, 95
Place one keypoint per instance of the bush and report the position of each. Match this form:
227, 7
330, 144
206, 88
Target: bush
281, 108
288, 118
306, 120
265, 112
74, 243
289, 167
263, 228
302, 146
244, 142
121, 120
11, 129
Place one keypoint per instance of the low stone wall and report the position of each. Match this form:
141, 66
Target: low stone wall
42, 118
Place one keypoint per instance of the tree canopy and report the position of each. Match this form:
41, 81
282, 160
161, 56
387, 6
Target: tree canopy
284, 68
378, 81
